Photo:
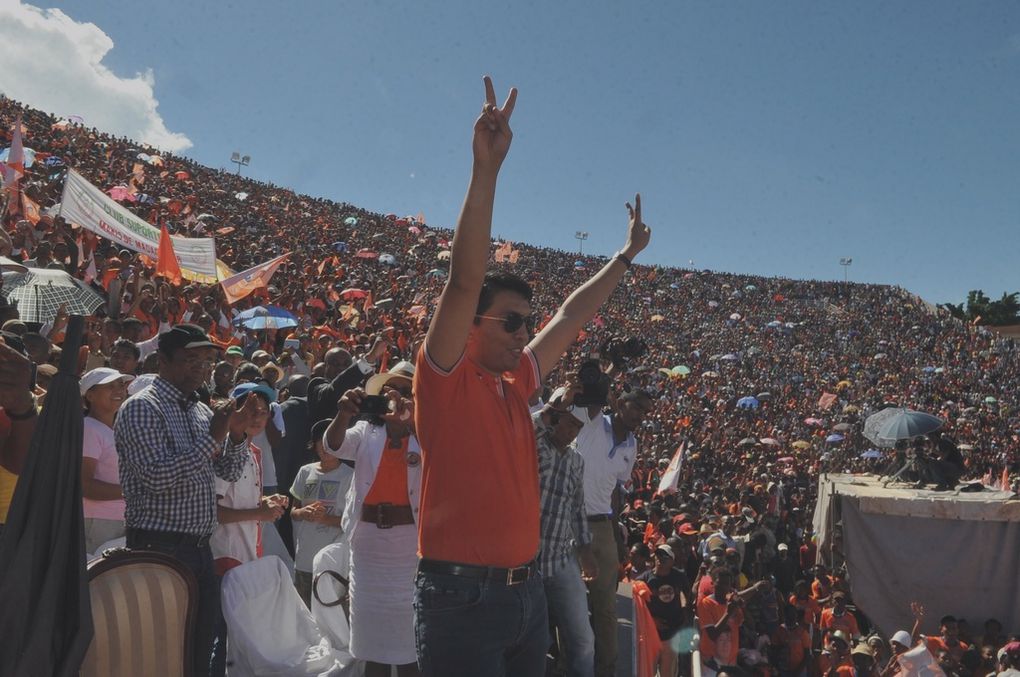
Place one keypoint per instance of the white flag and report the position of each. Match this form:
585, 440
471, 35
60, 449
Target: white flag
670, 478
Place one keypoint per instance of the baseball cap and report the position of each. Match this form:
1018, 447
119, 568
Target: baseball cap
402, 369
235, 350
101, 376
841, 636
665, 549
242, 389
184, 336
782, 546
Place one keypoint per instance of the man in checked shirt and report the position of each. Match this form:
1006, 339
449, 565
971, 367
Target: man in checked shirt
171, 447
566, 559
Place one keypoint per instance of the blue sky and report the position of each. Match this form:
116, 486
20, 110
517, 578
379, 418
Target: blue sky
766, 137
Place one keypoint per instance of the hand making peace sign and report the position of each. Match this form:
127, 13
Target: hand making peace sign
492, 129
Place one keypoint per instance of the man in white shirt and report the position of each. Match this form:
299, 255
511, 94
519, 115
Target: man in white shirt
609, 448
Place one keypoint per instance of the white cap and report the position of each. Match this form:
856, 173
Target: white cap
782, 546
101, 376
902, 637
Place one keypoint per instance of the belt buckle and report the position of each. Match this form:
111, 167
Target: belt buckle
510, 575
380, 521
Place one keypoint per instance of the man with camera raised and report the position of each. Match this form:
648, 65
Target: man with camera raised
609, 448
480, 606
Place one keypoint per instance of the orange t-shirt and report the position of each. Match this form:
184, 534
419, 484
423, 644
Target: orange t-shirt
797, 640
711, 612
844, 668
821, 589
847, 623
390, 483
479, 457
809, 607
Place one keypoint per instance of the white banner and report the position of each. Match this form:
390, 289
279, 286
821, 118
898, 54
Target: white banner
94, 210
670, 478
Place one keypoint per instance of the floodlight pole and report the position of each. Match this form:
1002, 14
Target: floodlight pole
581, 236
240, 161
845, 262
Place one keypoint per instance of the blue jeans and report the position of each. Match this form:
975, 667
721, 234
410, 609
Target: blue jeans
568, 611
472, 626
208, 653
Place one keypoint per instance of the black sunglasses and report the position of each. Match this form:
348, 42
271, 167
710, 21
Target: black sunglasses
513, 321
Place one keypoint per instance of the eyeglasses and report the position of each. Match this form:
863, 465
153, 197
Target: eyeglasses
513, 321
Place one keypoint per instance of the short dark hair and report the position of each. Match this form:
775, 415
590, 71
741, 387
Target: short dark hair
636, 394
247, 371
497, 281
129, 345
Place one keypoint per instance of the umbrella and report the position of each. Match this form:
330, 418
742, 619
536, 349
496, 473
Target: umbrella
11, 266
711, 374
436, 272
46, 617
747, 442
851, 409
773, 324
841, 427
657, 318
990, 400
713, 304
266, 317
764, 396
350, 293
339, 247
366, 254
747, 403
388, 259
843, 384
730, 357
965, 447
120, 193
182, 175
801, 444
786, 459
750, 287
834, 438
444, 255
884, 428
41, 291
414, 230
769, 441
680, 370
872, 454
813, 421
351, 221
735, 316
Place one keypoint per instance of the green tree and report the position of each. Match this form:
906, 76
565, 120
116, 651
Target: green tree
1005, 311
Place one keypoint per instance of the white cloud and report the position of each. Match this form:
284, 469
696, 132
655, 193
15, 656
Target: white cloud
52, 62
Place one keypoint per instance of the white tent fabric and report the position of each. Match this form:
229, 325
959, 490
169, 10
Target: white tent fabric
270, 631
331, 619
958, 553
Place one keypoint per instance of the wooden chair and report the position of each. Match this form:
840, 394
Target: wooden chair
144, 605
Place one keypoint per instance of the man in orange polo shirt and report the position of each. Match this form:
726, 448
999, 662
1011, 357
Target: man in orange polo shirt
480, 607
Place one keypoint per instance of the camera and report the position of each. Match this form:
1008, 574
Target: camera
620, 350
594, 384
375, 405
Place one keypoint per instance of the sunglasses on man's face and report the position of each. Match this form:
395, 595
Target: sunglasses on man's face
513, 321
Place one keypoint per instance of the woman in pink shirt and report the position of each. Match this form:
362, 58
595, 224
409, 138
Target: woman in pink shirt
103, 390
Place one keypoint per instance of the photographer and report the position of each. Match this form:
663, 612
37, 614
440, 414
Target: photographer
609, 448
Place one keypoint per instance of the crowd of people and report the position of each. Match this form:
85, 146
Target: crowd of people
198, 431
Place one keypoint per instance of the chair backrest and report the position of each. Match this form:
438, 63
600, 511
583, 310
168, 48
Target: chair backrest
143, 609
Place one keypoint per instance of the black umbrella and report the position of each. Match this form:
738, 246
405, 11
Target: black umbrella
46, 616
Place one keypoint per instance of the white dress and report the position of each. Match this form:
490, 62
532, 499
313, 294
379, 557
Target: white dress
383, 561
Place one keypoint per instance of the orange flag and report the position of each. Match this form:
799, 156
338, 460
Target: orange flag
644, 626
30, 209
236, 287
166, 260
369, 303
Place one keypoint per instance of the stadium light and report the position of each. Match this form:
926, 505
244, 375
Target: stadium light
845, 262
581, 236
240, 161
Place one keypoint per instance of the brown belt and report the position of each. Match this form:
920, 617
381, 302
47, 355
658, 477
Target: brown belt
386, 515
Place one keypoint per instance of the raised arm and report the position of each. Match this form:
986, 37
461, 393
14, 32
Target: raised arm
448, 331
582, 304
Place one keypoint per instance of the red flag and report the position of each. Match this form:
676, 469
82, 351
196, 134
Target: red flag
1004, 480
670, 478
166, 260
244, 283
369, 303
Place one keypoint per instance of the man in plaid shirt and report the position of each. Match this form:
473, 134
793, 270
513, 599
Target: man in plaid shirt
566, 559
170, 448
